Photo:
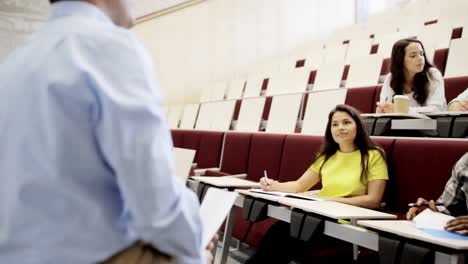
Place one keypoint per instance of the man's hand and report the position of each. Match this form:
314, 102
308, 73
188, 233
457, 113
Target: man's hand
458, 224
414, 211
209, 249
459, 106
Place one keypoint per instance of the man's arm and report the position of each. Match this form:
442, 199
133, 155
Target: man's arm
135, 142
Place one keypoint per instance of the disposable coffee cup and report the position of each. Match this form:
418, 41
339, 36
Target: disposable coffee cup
401, 104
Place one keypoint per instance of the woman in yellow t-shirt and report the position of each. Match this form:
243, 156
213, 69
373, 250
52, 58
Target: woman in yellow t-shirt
352, 170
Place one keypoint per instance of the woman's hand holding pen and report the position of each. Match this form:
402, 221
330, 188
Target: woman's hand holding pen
267, 184
420, 206
384, 107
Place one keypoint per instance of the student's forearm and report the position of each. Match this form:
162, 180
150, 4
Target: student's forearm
365, 201
291, 187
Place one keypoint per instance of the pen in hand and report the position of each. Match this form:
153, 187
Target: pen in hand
266, 177
423, 204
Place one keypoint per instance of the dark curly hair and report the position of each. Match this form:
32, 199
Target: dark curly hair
421, 79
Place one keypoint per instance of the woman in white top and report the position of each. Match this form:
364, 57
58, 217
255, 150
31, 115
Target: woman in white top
412, 75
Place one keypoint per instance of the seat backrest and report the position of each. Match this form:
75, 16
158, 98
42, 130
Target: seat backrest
253, 86
209, 150
236, 152
361, 98
265, 154
284, 113
189, 116
292, 81
298, 153
364, 71
319, 105
422, 168
457, 58
192, 141
329, 75
223, 115
177, 137
175, 113
250, 114
235, 89
436, 35
454, 87
358, 48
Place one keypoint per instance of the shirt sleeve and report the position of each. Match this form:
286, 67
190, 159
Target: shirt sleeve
454, 196
317, 164
386, 94
436, 99
377, 166
134, 140
461, 97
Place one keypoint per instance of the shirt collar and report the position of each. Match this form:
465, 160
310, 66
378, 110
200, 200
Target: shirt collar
78, 8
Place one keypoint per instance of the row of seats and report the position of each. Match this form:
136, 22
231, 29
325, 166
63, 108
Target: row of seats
417, 167
292, 113
347, 65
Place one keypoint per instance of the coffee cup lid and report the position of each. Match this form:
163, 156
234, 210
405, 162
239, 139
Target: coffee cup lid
400, 97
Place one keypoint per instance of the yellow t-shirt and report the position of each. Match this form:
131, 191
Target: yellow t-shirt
341, 174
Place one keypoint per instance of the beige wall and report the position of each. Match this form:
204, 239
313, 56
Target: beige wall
18, 19
220, 39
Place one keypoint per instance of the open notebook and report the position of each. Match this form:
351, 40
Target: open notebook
291, 195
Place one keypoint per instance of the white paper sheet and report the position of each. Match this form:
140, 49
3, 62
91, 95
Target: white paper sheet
214, 209
431, 220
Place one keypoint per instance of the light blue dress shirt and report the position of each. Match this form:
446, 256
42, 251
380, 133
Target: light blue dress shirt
461, 97
86, 156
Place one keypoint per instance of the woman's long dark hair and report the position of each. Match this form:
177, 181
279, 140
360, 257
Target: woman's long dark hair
421, 79
362, 140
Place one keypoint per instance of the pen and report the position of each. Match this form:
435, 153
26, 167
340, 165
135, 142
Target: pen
423, 204
266, 177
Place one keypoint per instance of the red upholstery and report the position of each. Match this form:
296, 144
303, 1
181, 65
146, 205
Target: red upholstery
374, 49
440, 59
312, 77
177, 138
422, 167
266, 109
304, 104
457, 33
237, 109
258, 230
455, 86
210, 149
215, 173
385, 66
361, 98
430, 22
345, 72
378, 89
300, 63
192, 141
265, 84
241, 226
298, 153
236, 152
265, 154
